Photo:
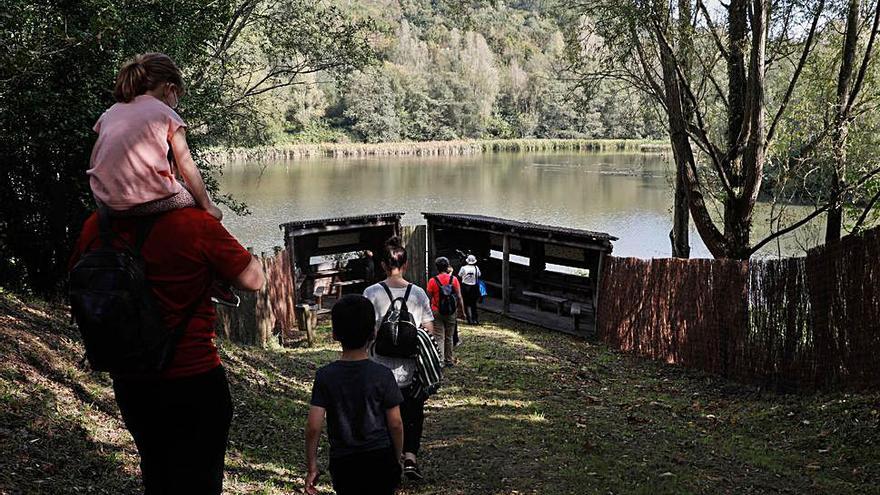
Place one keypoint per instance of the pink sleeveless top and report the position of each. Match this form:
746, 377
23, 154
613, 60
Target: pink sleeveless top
129, 164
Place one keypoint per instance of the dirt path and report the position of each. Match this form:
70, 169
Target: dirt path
525, 412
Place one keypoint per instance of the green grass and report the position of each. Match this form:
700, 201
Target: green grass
525, 412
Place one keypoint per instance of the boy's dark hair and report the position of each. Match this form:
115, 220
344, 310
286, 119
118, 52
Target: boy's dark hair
354, 321
442, 264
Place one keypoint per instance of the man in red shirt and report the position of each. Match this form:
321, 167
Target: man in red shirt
444, 324
180, 421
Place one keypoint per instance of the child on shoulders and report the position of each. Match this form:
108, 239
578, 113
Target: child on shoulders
361, 401
130, 172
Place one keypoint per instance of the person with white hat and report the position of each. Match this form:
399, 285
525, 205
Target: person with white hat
470, 288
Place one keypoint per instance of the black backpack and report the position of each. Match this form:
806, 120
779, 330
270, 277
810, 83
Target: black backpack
114, 308
397, 335
447, 304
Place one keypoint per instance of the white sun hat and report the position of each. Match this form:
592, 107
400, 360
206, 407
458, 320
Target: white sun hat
471, 259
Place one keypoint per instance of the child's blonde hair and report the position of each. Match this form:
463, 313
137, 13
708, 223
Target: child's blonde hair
146, 72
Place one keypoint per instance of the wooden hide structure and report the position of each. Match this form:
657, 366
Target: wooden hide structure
339, 244
518, 280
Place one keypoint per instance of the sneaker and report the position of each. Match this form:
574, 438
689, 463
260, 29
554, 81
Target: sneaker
411, 470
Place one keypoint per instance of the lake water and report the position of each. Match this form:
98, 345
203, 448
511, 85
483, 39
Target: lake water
627, 195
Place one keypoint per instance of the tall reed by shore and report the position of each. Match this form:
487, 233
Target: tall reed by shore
430, 148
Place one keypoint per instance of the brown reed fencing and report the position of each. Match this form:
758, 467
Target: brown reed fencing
811, 322
267, 314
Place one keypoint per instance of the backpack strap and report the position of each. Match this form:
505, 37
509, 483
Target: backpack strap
105, 230
406, 295
437, 281
387, 291
106, 233
144, 229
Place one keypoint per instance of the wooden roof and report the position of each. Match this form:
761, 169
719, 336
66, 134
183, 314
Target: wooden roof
505, 226
352, 221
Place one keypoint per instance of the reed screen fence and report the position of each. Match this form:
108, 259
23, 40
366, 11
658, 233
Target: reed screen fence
810, 322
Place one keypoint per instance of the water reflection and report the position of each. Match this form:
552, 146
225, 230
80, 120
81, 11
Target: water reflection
627, 195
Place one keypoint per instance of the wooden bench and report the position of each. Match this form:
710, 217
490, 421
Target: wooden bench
538, 297
324, 274
580, 310
345, 283
319, 295
494, 285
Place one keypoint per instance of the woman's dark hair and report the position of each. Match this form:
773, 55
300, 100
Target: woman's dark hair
354, 321
145, 72
394, 254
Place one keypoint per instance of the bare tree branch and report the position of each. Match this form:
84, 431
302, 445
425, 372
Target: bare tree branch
828, 205
865, 212
797, 73
699, 130
863, 69
711, 27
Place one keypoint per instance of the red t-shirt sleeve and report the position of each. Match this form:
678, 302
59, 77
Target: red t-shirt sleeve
223, 253
432, 287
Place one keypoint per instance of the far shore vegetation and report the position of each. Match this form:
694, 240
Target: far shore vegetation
295, 150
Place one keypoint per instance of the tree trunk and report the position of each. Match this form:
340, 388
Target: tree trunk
752, 172
737, 30
834, 225
684, 157
679, 236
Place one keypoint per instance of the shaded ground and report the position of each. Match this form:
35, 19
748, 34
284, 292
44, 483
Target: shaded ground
526, 411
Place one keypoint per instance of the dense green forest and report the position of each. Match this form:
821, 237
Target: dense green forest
498, 70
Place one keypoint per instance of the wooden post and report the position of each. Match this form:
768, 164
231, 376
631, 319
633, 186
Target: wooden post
537, 262
291, 265
432, 249
505, 276
304, 322
596, 284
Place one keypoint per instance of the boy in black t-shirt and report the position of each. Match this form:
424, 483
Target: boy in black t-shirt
361, 401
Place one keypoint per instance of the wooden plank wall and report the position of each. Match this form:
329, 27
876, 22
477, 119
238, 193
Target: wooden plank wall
415, 241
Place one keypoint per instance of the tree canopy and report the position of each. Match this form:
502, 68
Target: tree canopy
57, 71
463, 70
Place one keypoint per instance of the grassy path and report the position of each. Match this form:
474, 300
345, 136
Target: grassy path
525, 412
528, 411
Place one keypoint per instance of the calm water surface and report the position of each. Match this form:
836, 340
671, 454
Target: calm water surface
624, 194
